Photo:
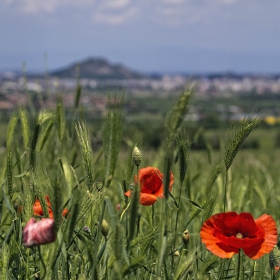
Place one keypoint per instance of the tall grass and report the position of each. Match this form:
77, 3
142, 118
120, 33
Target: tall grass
107, 235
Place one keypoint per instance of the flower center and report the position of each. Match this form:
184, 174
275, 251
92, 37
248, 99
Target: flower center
239, 235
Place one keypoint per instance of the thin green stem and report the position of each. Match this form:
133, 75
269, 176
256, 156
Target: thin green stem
238, 265
176, 221
43, 264
177, 214
138, 212
133, 212
226, 189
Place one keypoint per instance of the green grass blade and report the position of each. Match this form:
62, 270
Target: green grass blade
185, 265
78, 95
44, 135
112, 135
34, 140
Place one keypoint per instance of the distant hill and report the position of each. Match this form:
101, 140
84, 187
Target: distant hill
97, 68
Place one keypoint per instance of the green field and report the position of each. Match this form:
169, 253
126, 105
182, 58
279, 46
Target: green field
86, 165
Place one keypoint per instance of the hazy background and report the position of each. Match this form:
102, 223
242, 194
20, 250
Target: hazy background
187, 36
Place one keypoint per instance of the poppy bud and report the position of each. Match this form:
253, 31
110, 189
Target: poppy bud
186, 237
118, 207
86, 229
38, 233
176, 253
136, 156
104, 228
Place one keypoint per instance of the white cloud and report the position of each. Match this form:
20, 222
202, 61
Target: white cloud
45, 6
33, 6
110, 12
229, 1
115, 4
113, 12
175, 2
114, 18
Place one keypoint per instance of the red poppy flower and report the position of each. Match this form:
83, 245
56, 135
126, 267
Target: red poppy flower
38, 233
38, 210
225, 234
151, 185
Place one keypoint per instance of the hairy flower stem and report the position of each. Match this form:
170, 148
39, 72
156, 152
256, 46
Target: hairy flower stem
238, 265
134, 211
95, 259
43, 264
177, 214
138, 213
255, 269
176, 221
226, 189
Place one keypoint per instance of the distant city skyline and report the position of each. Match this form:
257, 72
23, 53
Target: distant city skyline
162, 36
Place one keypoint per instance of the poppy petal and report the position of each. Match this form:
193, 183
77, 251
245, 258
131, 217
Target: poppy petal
38, 233
151, 184
268, 225
225, 234
147, 199
128, 193
212, 243
64, 212
160, 192
171, 180
150, 179
37, 208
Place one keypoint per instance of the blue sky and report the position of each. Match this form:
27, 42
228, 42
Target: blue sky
190, 36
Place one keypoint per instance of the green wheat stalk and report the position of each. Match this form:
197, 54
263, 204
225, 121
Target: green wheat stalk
10, 173
11, 130
24, 126
44, 135
234, 143
60, 117
112, 135
86, 150
212, 192
177, 114
237, 138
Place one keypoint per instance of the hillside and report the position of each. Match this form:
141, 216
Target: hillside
97, 68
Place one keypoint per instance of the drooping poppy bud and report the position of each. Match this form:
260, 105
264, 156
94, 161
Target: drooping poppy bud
105, 228
176, 253
38, 233
186, 237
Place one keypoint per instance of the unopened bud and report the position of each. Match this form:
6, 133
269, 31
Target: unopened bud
86, 229
176, 253
118, 207
186, 237
105, 228
136, 156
